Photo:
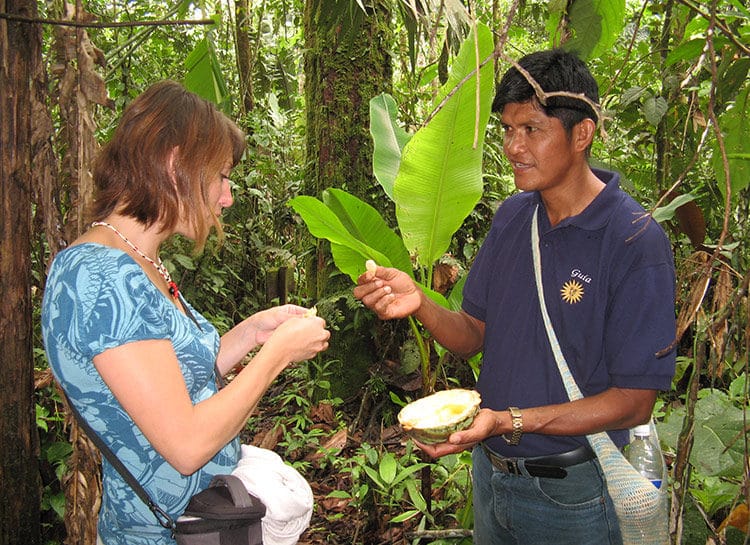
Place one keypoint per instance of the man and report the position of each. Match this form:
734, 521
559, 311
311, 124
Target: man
608, 280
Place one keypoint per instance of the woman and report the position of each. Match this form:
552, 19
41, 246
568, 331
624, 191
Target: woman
136, 360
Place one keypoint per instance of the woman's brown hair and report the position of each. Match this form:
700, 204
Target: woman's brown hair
169, 145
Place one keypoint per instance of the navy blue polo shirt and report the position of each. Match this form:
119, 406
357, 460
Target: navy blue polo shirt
609, 286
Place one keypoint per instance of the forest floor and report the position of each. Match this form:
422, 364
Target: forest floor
338, 520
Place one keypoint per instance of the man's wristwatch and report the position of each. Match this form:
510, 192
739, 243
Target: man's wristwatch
517, 423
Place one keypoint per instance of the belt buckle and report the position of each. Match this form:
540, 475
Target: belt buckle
506, 465
509, 466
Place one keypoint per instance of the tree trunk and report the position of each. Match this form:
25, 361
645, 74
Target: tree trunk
244, 63
346, 64
20, 45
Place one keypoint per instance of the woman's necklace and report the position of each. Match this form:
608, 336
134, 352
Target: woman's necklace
159, 266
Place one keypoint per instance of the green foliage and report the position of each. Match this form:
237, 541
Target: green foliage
54, 455
355, 229
736, 123
394, 482
304, 384
666, 213
390, 479
389, 140
718, 455
203, 75
439, 180
596, 25
719, 447
433, 196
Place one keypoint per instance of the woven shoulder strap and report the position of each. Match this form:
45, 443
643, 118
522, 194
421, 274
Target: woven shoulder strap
570, 384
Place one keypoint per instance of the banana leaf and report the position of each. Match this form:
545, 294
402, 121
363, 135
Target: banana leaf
366, 225
433, 202
356, 230
204, 76
357, 233
388, 140
439, 181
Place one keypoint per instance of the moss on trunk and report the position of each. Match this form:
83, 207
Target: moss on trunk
347, 62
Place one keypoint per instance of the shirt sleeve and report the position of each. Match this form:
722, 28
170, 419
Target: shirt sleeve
640, 329
511, 213
104, 302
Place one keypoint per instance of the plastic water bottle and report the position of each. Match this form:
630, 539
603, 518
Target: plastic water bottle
645, 455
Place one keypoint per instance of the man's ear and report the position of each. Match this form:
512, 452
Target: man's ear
583, 134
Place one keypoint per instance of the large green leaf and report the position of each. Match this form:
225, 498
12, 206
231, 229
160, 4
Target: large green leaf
204, 77
654, 108
355, 229
388, 139
366, 225
718, 448
596, 26
732, 78
667, 212
440, 178
322, 222
686, 51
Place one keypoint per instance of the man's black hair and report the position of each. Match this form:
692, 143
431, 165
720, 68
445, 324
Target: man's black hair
554, 70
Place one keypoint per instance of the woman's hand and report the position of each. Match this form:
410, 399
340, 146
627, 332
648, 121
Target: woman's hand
297, 338
265, 322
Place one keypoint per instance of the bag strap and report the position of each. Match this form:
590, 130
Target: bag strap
237, 491
570, 384
161, 516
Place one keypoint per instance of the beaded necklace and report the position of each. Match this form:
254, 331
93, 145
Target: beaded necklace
159, 266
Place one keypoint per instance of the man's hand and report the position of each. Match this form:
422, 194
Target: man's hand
484, 425
389, 292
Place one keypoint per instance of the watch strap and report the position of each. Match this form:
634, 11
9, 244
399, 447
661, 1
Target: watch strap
517, 424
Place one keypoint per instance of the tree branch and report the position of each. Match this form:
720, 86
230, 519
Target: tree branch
721, 25
95, 24
438, 534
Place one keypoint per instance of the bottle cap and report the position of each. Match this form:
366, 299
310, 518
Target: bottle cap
642, 430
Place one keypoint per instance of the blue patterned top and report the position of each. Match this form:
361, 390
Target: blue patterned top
98, 298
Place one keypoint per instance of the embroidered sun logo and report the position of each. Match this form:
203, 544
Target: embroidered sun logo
572, 292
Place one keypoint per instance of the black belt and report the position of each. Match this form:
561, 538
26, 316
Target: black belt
551, 467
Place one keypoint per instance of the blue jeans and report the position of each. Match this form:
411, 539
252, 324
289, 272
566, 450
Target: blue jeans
526, 510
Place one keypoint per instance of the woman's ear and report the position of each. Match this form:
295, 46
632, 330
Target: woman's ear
583, 134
